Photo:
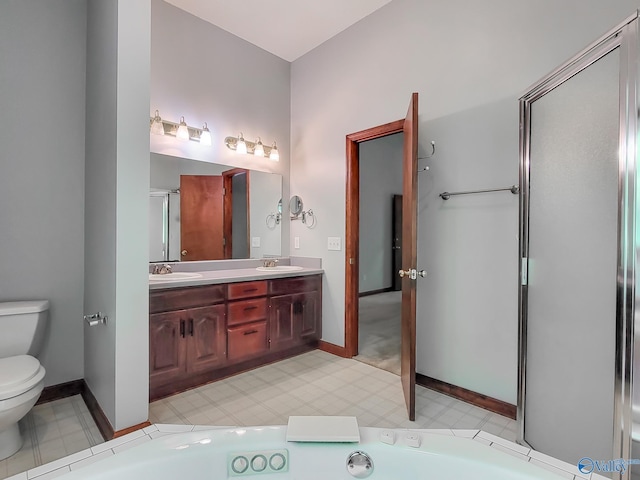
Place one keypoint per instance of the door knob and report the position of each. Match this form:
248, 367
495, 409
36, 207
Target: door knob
412, 273
183, 253
402, 273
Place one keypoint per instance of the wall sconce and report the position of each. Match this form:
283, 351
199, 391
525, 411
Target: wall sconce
180, 130
240, 145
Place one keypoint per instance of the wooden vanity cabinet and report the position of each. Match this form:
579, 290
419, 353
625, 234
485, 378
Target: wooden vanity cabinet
201, 334
247, 332
185, 339
295, 312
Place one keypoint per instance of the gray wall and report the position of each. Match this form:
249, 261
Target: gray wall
469, 61
206, 74
117, 186
380, 179
42, 84
264, 195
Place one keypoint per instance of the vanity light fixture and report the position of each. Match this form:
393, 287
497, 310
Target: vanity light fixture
205, 136
274, 155
240, 145
181, 130
156, 124
258, 150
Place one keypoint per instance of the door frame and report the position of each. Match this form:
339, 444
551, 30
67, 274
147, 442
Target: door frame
227, 209
624, 36
352, 235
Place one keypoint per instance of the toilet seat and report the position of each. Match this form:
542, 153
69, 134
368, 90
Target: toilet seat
19, 374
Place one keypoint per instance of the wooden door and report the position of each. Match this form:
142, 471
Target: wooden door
206, 336
396, 241
167, 352
409, 255
201, 217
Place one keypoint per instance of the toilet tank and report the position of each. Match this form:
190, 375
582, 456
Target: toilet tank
22, 325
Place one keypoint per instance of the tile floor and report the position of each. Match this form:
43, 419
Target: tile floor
315, 383
53, 430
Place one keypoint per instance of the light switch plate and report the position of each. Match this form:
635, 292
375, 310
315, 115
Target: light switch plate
296, 242
255, 241
334, 243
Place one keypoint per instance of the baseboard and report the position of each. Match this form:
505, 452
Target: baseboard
62, 390
474, 398
333, 349
124, 431
375, 292
102, 422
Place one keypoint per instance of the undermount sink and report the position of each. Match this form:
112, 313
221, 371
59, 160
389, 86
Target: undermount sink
169, 277
279, 268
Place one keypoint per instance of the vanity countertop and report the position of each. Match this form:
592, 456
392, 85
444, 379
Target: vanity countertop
211, 277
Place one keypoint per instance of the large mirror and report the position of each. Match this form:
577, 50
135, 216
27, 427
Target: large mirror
206, 211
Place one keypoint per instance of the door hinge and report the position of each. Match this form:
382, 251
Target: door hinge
523, 268
224, 191
224, 241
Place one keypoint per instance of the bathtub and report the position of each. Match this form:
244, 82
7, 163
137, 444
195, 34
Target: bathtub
257, 451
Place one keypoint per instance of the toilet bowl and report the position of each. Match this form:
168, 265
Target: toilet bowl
21, 375
21, 383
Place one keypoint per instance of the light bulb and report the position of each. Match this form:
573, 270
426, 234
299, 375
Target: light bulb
274, 155
156, 126
241, 146
258, 150
183, 131
205, 136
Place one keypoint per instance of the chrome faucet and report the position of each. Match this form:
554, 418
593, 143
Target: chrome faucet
162, 269
269, 262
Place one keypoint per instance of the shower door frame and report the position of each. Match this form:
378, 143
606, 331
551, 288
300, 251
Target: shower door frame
625, 37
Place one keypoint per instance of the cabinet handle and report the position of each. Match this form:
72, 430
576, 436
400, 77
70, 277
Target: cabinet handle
182, 328
191, 327
249, 290
249, 332
246, 309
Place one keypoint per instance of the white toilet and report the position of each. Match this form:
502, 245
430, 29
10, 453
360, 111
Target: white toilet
21, 376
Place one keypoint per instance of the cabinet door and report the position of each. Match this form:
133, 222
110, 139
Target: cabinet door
282, 324
206, 338
308, 316
167, 352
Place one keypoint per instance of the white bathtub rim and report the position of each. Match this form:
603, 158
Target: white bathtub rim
434, 442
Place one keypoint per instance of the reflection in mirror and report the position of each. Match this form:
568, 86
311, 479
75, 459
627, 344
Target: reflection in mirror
295, 205
205, 211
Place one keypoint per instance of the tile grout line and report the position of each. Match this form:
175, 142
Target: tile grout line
35, 444
83, 422
177, 413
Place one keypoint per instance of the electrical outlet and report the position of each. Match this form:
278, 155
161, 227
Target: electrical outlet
334, 243
255, 242
296, 242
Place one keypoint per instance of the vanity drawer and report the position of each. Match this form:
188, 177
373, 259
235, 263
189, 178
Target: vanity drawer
247, 311
284, 286
247, 340
180, 298
247, 289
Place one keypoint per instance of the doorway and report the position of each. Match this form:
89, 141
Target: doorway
409, 127
380, 298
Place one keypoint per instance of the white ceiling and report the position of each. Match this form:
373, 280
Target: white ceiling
286, 28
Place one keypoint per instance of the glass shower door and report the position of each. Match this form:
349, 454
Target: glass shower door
570, 303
